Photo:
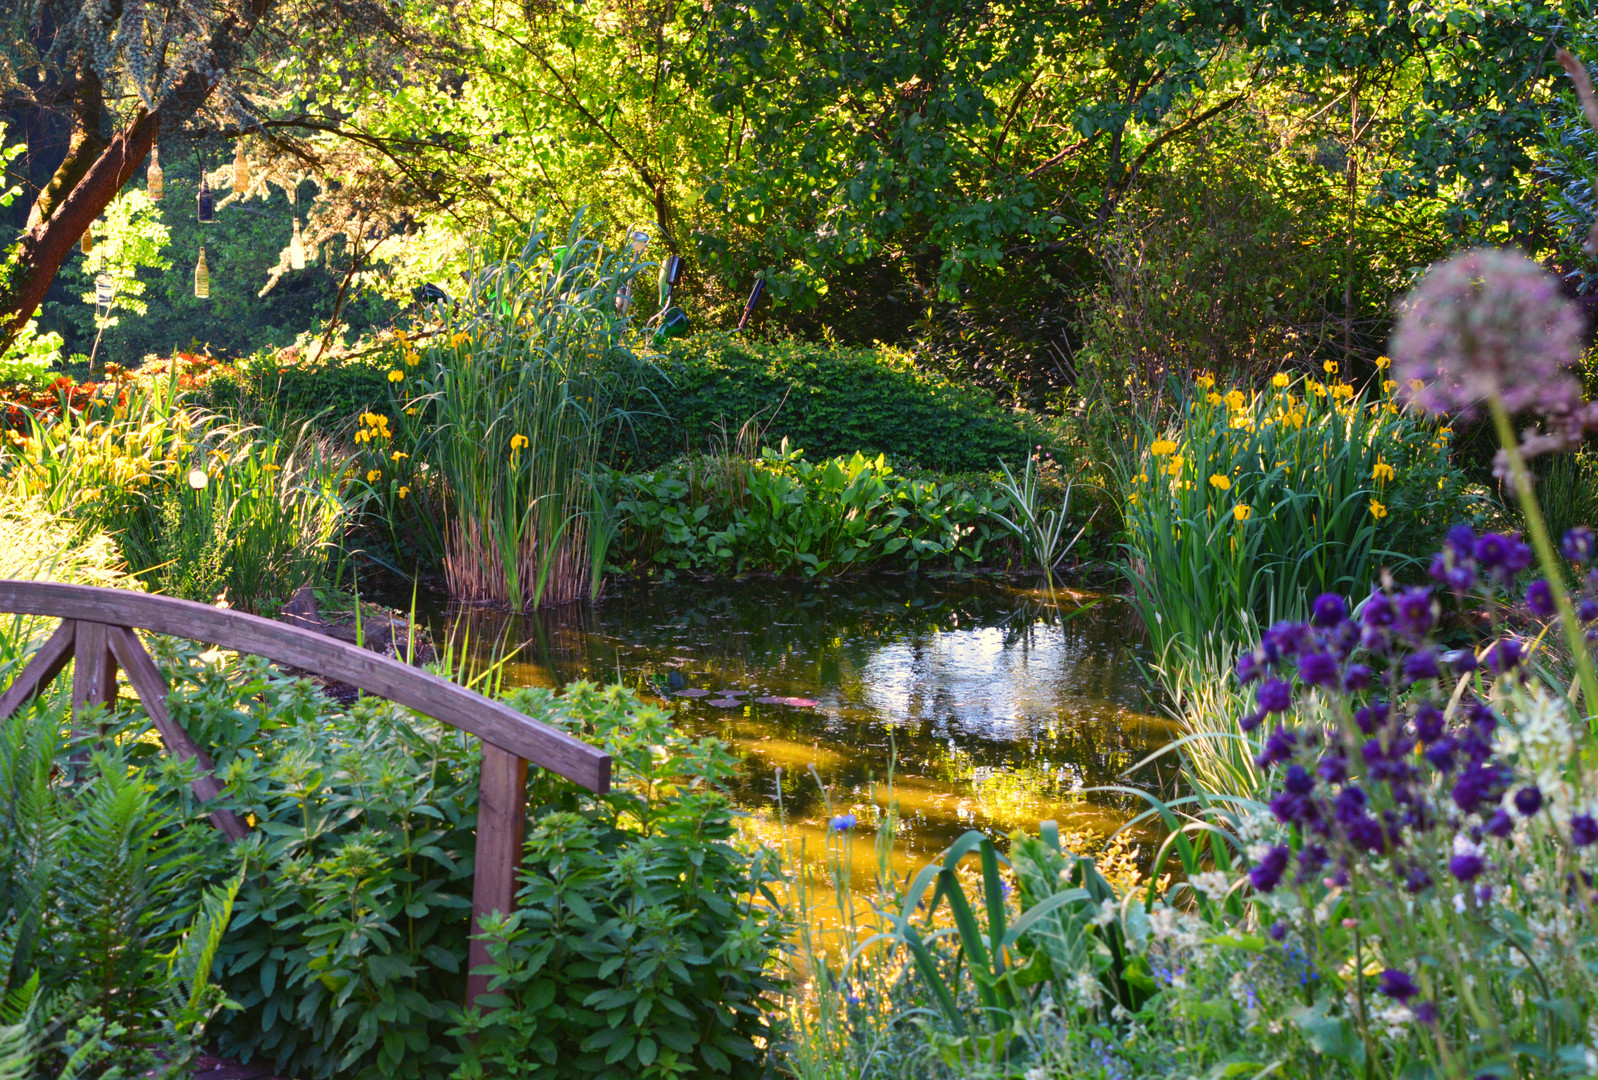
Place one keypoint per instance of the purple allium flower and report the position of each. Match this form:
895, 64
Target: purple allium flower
1357, 677
1500, 824
1460, 580
1488, 322
1520, 554
1274, 695
1467, 867
1415, 611
1249, 668
1367, 834
1377, 612
1428, 722
1298, 780
1529, 800
1540, 599
1579, 544
1284, 640
1462, 540
1397, 985
1267, 873
1417, 880
1312, 860
1504, 656
1425, 1012
1492, 550
1583, 830
1419, 666
1317, 669
1329, 609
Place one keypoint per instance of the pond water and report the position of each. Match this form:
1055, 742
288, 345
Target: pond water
991, 708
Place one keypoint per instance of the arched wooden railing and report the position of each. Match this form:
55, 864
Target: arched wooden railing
97, 631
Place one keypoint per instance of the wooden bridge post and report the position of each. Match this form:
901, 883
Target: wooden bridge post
501, 826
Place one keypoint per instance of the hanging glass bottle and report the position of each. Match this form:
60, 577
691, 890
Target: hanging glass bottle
105, 289
241, 170
296, 248
202, 277
153, 184
206, 201
86, 245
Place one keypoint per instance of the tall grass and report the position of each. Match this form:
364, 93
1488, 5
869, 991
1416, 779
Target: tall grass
512, 408
1248, 504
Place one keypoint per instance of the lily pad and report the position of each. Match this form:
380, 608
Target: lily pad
724, 702
734, 693
692, 692
795, 702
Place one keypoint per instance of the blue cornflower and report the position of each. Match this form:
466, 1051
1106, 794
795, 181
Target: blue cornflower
844, 821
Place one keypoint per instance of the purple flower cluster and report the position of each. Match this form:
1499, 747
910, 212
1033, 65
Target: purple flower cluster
1401, 759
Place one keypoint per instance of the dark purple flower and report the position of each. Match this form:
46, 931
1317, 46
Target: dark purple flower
1284, 640
1278, 930
1397, 985
1377, 613
1461, 661
1460, 579
1462, 539
1415, 610
1467, 866
1504, 656
1580, 544
1298, 780
1293, 809
1357, 677
1428, 722
1500, 824
1278, 747
1311, 861
1478, 785
1425, 1013
1317, 669
1249, 668
1274, 695
1440, 754
1267, 873
1484, 893
1587, 610
1529, 800
1540, 599
1251, 720
1491, 550
1333, 768
1370, 717
1583, 830
1419, 666
1329, 609
1519, 555
1417, 880
1367, 834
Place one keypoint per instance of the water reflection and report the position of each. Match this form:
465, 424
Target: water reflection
1000, 709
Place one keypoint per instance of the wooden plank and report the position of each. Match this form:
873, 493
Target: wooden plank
152, 691
489, 720
501, 824
41, 671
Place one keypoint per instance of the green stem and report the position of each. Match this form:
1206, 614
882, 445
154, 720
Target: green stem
1553, 571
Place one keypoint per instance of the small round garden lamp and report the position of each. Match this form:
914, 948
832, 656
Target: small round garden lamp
640, 241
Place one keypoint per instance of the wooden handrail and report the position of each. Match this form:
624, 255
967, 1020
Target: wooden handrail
97, 634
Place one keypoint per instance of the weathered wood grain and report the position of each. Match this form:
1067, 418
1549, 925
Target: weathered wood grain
94, 670
501, 825
152, 690
41, 670
491, 721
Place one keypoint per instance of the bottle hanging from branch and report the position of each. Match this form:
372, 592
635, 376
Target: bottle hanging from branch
206, 202
154, 184
202, 277
296, 248
241, 170
86, 245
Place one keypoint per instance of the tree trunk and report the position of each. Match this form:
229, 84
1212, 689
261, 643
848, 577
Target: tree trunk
84, 146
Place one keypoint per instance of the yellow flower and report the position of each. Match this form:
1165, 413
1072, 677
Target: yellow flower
1317, 388
1132, 499
1280, 380
1206, 380
1383, 363
372, 475
1416, 385
395, 375
455, 340
410, 412
1383, 472
271, 468
398, 456
404, 491
1388, 386
1378, 511
1142, 478
1330, 367
1343, 390
1241, 511
1236, 399
1221, 481
1161, 447
1444, 431
1175, 467
1213, 398
518, 441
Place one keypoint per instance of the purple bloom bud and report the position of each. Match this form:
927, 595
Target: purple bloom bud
1284, 640
1329, 609
1440, 754
1460, 579
1415, 611
1425, 1013
1466, 867
1357, 677
1462, 539
1587, 610
1519, 556
1504, 656
1249, 668
1274, 696
1278, 747
1370, 717
1484, 893
1579, 544
1317, 669
1419, 666
1428, 722
1500, 824
1333, 768
1478, 784
1377, 613
1417, 880
1397, 985
1298, 780
1492, 550
1278, 930
1251, 720
1540, 599
1529, 800
1583, 830
1267, 874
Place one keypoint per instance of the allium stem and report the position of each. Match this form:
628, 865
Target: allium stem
1552, 568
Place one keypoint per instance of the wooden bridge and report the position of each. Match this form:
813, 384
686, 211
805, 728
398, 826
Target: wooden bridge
97, 631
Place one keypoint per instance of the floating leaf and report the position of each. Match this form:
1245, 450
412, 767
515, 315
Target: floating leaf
692, 692
724, 703
796, 702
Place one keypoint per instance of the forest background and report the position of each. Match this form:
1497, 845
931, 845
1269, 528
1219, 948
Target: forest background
1022, 194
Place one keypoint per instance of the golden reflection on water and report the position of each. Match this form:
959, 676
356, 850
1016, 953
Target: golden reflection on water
991, 709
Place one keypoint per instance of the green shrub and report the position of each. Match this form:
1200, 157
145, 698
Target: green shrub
333, 390
826, 399
784, 514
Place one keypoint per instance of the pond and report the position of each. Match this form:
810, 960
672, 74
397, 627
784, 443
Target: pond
990, 708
